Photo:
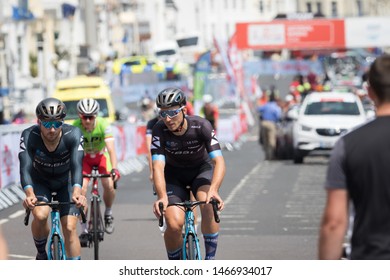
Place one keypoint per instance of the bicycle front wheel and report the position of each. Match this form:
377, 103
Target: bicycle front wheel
191, 247
95, 226
56, 248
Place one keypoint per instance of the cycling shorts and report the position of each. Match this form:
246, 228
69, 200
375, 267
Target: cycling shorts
64, 190
178, 178
102, 160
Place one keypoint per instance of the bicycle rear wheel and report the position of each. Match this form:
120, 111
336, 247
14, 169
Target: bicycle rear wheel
95, 226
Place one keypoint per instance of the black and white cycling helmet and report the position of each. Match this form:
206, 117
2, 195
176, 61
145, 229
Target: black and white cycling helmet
170, 97
88, 106
50, 109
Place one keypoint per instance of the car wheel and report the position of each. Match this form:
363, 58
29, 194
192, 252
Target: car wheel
298, 158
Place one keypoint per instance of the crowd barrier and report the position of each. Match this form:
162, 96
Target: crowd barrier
130, 147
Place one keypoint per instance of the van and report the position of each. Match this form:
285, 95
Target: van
70, 91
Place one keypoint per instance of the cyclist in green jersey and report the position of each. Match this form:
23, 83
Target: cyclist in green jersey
99, 149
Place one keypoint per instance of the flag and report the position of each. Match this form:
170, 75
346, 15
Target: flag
202, 69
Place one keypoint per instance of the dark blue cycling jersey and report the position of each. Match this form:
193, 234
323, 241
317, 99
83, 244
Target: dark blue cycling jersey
37, 163
196, 146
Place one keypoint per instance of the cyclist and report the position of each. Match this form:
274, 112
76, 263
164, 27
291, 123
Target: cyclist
149, 128
50, 158
99, 148
185, 152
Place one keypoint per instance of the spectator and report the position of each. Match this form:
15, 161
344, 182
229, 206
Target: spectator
270, 114
210, 111
358, 173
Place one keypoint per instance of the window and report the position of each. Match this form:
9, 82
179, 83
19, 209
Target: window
309, 7
261, 6
319, 8
334, 9
359, 8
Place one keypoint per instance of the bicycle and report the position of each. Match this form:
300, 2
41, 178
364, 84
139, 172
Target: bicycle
190, 247
56, 243
95, 224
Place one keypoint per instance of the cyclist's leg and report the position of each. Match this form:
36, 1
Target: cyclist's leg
177, 180
87, 169
69, 219
210, 228
39, 226
174, 219
108, 192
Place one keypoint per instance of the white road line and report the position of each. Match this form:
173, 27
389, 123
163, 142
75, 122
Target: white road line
17, 214
21, 256
3, 221
241, 184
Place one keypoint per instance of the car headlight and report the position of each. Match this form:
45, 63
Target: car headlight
305, 128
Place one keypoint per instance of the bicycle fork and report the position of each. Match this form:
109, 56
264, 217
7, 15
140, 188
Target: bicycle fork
54, 236
192, 241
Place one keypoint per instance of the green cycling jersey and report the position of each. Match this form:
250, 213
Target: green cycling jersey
94, 141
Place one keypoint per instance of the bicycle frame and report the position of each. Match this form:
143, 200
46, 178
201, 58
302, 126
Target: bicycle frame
95, 223
55, 231
189, 225
55, 244
190, 247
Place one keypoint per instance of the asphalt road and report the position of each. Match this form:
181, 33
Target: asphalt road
273, 211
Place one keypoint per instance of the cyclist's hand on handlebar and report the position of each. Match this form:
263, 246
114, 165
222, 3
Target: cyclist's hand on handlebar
30, 201
156, 209
215, 196
79, 200
115, 174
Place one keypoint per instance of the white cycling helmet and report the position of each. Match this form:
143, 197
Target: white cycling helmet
88, 106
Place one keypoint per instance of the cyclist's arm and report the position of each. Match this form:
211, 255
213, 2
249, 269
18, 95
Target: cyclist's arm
148, 138
110, 145
76, 150
26, 165
26, 161
158, 175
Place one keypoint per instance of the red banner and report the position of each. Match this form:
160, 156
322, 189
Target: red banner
291, 34
141, 140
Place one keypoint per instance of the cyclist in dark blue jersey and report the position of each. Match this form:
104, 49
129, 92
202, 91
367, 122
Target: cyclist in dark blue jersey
185, 152
51, 155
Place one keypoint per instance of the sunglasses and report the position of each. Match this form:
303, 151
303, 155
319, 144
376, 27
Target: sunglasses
50, 124
88, 117
170, 113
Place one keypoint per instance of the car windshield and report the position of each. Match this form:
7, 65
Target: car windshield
332, 108
71, 107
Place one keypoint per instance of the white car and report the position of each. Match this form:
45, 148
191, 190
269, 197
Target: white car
321, 119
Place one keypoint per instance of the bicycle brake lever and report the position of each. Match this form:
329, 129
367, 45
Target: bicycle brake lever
82, 213
27, 216
161, 221
215, 210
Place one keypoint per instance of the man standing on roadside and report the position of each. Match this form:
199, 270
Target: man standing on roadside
358, 172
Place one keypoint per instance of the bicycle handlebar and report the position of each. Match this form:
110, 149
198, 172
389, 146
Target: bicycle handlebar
28, 210
190, 205
95, 176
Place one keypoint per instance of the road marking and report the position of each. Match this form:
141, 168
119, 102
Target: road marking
21, 256
17, 214
242, 183
3, 221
